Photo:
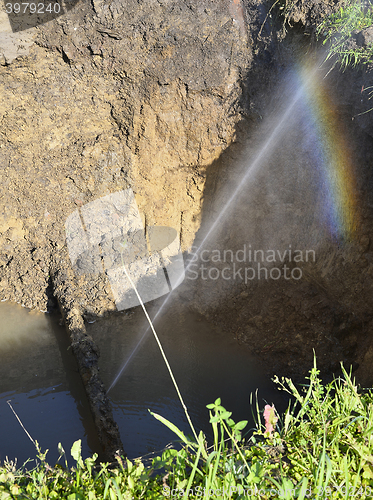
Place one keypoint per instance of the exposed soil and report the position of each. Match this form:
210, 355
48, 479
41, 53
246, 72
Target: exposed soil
148, 95
329, 310
128, 94
136, 94
284, 324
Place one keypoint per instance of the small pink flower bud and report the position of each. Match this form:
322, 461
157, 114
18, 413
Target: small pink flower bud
270, 419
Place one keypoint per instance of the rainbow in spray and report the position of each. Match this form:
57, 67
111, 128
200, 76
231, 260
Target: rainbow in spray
332, 155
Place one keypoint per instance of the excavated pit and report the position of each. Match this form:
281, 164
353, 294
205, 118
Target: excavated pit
173, 100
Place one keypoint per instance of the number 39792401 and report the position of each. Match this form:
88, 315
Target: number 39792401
33, 8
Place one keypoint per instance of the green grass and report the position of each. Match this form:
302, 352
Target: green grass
322, 448
338, 30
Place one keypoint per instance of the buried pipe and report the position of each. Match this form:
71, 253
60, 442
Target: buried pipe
87, 355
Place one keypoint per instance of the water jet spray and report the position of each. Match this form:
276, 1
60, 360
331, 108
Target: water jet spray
265, 150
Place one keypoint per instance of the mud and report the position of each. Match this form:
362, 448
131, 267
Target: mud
285, 321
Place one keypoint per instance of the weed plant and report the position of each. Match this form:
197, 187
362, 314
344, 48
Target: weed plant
321, 447
340, 29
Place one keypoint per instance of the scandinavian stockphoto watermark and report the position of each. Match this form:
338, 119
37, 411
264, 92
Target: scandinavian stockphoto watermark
305, 491
108, 233
248, 264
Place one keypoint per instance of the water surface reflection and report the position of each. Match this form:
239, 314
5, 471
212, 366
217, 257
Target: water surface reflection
207, 364
39, 376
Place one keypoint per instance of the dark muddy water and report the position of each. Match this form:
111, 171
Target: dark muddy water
207, 364
38, 375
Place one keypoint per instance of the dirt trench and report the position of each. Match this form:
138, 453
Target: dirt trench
164, 98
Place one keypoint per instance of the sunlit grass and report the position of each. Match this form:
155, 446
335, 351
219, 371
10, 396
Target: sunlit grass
338, 31
321, 447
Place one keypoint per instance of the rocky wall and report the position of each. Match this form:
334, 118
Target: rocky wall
136, 94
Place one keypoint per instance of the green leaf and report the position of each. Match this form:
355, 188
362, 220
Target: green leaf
215, 419
76, 451
131, 482
287, 421
241, 425
226, 415
195, 466
172, 427
115, 494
